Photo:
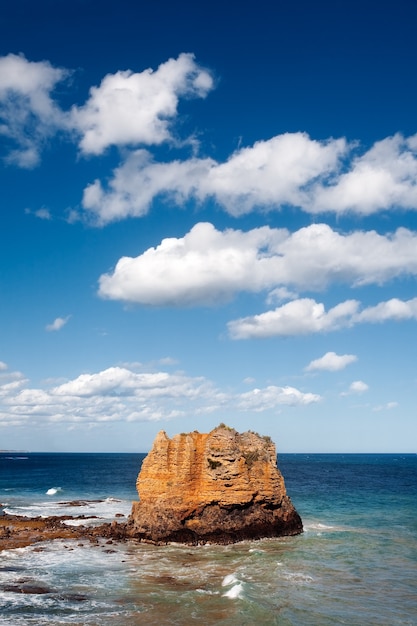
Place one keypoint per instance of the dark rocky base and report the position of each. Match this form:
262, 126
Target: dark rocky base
212, 524
191, 538
217, 525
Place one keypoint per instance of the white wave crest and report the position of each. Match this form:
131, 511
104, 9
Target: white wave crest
85, 521
236, 587
230, 579
234, 592
320, 528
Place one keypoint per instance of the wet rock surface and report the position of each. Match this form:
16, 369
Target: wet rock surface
18, 531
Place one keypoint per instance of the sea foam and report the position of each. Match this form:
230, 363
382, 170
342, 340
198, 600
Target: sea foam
236, 586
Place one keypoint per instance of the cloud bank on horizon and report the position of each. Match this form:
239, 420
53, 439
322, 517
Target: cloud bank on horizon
138, 114
122, 394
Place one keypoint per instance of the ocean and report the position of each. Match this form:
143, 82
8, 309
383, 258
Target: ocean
355, 563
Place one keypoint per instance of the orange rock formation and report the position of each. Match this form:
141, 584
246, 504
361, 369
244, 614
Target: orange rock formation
220, 487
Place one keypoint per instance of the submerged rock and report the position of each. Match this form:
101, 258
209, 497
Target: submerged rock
218, 487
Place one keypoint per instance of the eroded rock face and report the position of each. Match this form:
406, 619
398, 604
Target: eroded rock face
220, 487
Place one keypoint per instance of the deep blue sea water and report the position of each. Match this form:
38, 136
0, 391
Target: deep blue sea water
355, 563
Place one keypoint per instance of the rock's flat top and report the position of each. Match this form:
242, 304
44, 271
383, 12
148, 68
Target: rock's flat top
221, 486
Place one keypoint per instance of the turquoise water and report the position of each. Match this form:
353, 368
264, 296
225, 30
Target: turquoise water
355, 563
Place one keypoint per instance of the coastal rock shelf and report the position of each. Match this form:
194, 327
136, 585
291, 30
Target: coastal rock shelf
218, 487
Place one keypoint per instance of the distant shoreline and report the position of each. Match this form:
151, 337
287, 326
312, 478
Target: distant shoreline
14, 452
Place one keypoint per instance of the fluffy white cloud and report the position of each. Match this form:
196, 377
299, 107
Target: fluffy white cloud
137, 182
393, 309
127, 108
384, 177
137, 108
115, 394
358, 386
207, 265
268, 174
58, 323
271, 173
273, 397
28, 114
203, 267
10, 384
120, 394
289, 169
299, 317
125, 382
331, 362
306, 316
31, 79
3, 366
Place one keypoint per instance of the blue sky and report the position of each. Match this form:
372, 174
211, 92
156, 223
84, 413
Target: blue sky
208, 214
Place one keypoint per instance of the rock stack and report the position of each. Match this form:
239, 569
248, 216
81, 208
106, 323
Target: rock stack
218, 487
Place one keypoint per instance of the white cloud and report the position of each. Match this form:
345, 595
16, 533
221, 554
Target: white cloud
115, 380
168, 360
271, 173
3, 366
267, 174
11, 387
115, 394
280, 294
58, 323
358, 386
331, 362
393, 309
137, 182
385, 177
386, 407
43, 214
10, 384
32, 79
299, 317
207, 266
203, 267
288, 169
126, 109
306, 316
137, 108
28, 115
272, 397
120, 394
133, 109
